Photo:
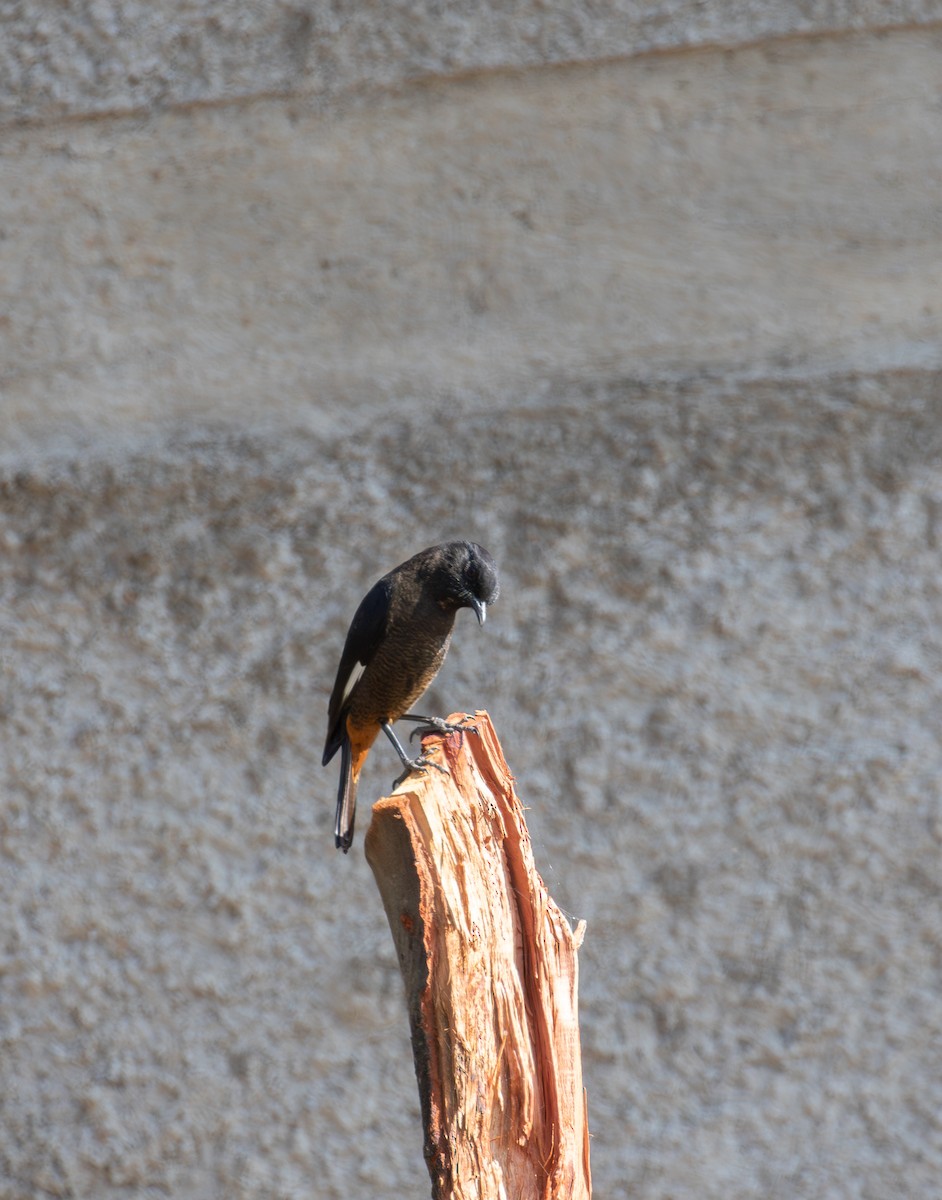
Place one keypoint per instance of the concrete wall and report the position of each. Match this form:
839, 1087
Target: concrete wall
644, 298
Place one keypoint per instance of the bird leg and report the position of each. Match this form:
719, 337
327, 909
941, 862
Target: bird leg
437, 725
410, 764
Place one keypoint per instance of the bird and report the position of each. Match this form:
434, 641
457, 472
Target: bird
395, 646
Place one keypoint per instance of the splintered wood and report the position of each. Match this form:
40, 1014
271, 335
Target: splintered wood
490, 968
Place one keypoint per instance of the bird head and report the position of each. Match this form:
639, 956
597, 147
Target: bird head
468, 578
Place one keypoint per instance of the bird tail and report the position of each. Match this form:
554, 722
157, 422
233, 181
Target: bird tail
346, 798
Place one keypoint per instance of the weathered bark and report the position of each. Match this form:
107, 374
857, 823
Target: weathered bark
490, 968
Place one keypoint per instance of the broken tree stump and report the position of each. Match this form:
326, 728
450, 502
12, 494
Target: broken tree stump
490, 968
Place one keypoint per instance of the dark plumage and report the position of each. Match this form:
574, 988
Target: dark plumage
395, 646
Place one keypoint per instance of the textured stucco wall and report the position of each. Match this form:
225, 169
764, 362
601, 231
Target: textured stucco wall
288, 295
115, 55
776, 206
715, 668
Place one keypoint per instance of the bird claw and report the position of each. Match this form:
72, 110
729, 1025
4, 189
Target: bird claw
438, 725
418, 765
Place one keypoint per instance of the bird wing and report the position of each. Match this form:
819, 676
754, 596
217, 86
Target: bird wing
364, 636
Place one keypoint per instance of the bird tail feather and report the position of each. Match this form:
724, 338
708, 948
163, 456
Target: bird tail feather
346, 799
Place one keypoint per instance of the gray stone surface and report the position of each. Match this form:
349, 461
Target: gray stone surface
715, 669
114, 55
774, 207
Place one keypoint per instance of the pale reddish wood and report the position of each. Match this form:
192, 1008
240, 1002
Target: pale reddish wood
491, 973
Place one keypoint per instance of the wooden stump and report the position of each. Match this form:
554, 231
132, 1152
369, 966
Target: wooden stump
490, 969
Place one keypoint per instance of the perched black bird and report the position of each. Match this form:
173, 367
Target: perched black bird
395, 646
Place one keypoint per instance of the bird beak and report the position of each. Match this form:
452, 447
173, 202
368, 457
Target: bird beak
480, 609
